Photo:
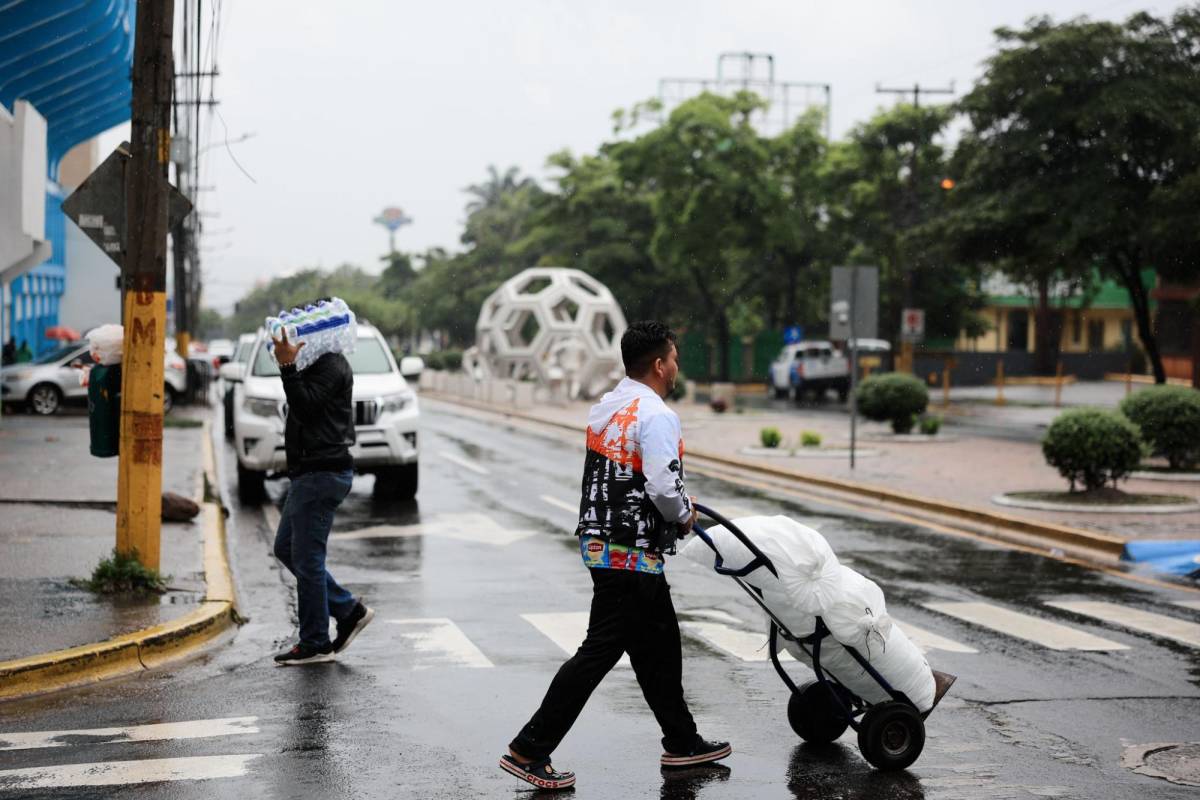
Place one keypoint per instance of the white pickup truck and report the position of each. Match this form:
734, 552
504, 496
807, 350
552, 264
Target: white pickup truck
812, 367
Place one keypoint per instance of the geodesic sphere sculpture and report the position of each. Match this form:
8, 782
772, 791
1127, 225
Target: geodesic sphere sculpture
553, 324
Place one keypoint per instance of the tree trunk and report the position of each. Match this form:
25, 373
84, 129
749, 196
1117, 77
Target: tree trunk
722, 320
1045, 346
1131, 278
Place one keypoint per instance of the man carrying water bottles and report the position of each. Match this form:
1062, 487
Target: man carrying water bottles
318, 436
634, 508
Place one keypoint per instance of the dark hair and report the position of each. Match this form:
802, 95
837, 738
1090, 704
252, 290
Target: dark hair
644, 342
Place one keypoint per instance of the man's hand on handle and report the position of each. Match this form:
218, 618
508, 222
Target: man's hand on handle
687, 526
285, 351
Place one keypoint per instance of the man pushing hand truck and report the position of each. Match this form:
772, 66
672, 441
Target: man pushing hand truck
633, 509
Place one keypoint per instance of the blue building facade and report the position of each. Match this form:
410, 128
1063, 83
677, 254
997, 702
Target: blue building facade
71, 59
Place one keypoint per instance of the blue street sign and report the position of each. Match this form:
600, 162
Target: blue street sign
793, 334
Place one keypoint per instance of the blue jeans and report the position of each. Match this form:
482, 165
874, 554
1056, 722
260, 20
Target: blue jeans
300, 544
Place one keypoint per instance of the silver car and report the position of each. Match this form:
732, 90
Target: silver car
46, 383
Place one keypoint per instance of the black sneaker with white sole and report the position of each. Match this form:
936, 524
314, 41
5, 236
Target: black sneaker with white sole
351, 626
702, 752
305, 654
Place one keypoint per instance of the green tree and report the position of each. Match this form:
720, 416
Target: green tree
1083, 152
597, 221
707, 169
882, 212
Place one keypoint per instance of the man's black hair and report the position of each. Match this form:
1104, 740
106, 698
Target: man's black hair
644, 342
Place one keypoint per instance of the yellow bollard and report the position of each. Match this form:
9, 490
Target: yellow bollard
1000, 383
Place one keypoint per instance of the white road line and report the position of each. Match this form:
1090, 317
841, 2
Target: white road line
714, 614
1192, 604
745, 645
1143, 621
1022, 626
193, 729
928, 640
272, 515
468, 527
563, 504
118, 773
442, 642
464, 463
566, 629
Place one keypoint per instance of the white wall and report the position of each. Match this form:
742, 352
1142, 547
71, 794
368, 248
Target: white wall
22, 186
91, 296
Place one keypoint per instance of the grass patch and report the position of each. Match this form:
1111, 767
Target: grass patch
122, 574
181, 422
1103, 497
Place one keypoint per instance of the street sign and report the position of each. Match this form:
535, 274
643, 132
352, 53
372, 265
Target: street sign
793, 334
864, 305
98, 205
912, 324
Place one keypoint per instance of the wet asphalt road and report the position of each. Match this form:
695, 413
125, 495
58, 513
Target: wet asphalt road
475, 582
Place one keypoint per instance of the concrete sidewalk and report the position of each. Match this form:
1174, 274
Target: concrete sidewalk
957, 468
58, 520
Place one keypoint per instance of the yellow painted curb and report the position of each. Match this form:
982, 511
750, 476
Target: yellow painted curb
149, 647
1094, 542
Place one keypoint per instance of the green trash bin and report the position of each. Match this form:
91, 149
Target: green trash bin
104, 410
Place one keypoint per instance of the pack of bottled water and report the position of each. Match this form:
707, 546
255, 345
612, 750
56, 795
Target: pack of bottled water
327, 326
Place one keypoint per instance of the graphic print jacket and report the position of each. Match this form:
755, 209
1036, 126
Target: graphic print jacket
633, 472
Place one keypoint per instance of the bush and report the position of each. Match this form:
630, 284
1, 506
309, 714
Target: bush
680, 390
931, 424
1169, 419
1092, 447
123, 574
893, 397
443, 360
770, 437
810, 439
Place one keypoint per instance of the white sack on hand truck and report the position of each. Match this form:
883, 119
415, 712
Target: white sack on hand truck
813, 583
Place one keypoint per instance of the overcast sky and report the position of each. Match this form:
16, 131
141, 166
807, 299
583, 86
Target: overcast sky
360, 105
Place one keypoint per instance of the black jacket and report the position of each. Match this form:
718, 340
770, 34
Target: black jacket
320, 415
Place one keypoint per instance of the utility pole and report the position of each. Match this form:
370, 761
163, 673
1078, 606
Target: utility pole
139, 483
913, 214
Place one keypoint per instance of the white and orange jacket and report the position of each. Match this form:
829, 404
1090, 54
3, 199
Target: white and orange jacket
633, 473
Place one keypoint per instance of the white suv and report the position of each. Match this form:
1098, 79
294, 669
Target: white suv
386, 414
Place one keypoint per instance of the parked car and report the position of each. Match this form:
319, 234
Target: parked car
810, 367
44, 385
386, 416
231, 374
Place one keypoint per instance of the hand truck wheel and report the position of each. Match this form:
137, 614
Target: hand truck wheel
814, 713
891, 735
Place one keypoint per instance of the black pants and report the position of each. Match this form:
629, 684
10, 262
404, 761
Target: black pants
631, 613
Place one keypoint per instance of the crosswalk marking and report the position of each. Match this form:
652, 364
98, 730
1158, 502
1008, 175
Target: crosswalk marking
1192, 604
118, 773
443, 641
1144, 621
746, 645
465, 463
192, 729
1022, 626
714, 614
468, 527
567, 629
928, 640
563, 504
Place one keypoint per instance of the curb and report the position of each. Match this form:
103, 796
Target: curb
1017, 530
1045, 505
150, 647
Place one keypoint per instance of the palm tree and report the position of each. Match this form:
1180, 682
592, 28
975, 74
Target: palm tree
490, 193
